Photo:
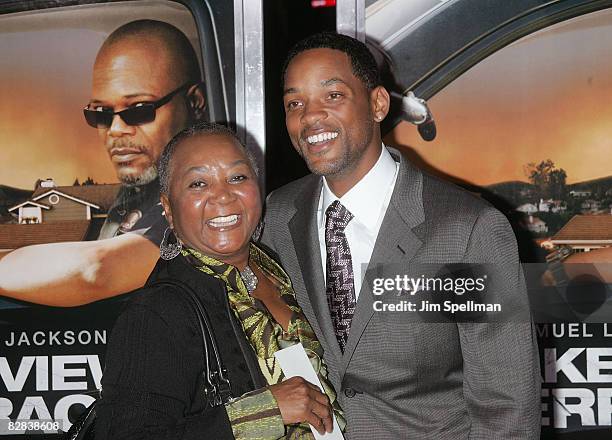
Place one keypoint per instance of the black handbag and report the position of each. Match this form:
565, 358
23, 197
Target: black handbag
217, 387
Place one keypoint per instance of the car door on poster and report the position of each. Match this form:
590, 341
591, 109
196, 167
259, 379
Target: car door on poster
80, 219
520, 95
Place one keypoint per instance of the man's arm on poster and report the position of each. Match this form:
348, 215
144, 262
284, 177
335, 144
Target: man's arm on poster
76, 273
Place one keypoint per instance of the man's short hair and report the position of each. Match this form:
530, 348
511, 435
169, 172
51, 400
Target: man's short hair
208, 128
176, 42
362, 61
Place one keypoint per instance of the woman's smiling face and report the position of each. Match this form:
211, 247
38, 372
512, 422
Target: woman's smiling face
213, 201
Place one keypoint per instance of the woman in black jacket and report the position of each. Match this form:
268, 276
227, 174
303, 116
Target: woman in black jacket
153, 384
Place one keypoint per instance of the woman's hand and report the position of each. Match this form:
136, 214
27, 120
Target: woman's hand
300, 401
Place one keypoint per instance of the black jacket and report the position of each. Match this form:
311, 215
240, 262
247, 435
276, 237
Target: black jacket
152, 384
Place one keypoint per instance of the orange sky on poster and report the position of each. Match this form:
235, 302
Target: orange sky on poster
59, 145
491, 121
545, 97
487, 148
42, 130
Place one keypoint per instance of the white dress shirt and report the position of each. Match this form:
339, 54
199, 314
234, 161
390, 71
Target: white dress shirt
367, 201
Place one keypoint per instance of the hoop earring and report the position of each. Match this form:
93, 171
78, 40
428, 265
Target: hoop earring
170, 245
257, 232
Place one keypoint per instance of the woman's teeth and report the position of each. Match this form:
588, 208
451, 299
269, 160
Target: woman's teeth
321, 137
219, 222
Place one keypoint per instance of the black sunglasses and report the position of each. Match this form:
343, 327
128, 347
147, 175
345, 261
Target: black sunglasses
141, 113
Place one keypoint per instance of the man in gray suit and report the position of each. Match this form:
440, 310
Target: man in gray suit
365, 206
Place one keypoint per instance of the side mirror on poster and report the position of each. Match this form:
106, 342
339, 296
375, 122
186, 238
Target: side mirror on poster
416, 111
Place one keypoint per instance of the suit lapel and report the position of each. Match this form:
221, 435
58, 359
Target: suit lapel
397, 243
304, 233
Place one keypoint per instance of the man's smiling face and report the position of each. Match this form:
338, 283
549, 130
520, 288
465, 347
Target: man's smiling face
328, 112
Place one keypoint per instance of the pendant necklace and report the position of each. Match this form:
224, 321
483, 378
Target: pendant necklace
249, 278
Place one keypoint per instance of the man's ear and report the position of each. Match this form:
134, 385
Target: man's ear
167, 211
380, 101
196, 100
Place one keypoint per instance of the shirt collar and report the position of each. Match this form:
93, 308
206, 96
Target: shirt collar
364, 200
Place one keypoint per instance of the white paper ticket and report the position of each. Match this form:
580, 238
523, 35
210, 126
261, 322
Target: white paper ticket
294, 362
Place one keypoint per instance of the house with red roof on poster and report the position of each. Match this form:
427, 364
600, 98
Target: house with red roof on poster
585, 232
57, 214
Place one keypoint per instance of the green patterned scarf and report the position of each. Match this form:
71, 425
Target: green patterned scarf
264, 334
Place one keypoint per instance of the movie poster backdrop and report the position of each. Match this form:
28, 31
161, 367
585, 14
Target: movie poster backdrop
57, 185
528, 128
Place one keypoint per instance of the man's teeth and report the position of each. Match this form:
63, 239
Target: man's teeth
219, 222
321, 137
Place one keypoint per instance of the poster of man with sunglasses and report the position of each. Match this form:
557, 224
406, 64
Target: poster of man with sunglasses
146, 87
120, 81
139, 193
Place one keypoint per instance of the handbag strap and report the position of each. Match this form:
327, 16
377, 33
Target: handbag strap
217, 389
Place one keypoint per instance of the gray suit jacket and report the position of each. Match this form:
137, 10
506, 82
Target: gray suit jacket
418, 380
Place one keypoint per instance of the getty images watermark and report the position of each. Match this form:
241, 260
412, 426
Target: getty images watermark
403, 284
449, 292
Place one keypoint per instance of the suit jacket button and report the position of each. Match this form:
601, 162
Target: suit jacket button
349, 392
